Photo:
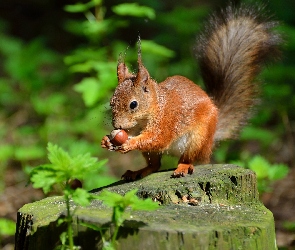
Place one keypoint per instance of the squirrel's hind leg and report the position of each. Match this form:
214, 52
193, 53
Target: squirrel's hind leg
185, 166
183, 169
196, 152
153, 160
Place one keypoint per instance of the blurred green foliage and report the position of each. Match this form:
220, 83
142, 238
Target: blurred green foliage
7, 227
266, 173
289, 225
51, 95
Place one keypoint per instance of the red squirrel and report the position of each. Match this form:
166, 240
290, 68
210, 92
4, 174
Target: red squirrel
179, 118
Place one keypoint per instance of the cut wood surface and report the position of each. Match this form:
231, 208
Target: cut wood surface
217, 207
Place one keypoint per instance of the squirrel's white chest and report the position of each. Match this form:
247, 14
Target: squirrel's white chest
178, 147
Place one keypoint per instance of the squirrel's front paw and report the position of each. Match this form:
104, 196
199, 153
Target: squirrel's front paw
124, 148
106, 143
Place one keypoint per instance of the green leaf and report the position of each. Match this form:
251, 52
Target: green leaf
62, 168
96, 30
89, 88
108, 246
26, 153
7, 227
120, 203
130, 196
63, 238
82, 7
58, 157
86, 55
82, 162
130, 199
60, 221
289, 225
262, 135
81, 197
45, 179
6, 152
91, 226
260, 166
52, 104
278, 172
109, 198
85, 67
83, 165
134, 9
146, 204
156, 49
139, 204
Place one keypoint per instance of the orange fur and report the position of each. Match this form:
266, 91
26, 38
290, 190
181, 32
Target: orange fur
176, 116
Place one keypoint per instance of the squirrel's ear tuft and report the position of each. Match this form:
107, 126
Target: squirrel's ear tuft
142, 74
123, 72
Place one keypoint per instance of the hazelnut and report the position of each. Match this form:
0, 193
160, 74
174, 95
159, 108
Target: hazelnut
74, 184
118, 137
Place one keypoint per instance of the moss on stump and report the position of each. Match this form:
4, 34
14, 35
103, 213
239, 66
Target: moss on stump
217, 207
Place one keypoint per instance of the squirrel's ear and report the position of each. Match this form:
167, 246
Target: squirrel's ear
142, 74
123, 72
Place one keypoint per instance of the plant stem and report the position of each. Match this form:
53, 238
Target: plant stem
99, 12
114, 237
69, 221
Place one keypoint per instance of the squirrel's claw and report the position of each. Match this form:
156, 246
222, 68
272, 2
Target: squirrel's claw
106, 143
182, 170
123, 148
131, 175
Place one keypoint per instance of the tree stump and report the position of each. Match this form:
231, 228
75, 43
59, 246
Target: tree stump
217, 207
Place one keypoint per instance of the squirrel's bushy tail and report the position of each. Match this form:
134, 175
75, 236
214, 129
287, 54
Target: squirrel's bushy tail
231, 51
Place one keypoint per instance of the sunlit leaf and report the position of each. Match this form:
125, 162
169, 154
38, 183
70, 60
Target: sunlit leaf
134, 9
62, 168
82, 7
278, 171
111, 199
130, 199
63, 237
81, 197
260, 166
156, 49
29, 152
44, 179
89, 88
90, 225
253, 133
57, 156
7, 227
146, 204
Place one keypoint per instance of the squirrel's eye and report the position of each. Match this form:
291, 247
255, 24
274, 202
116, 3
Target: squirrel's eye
133, 104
